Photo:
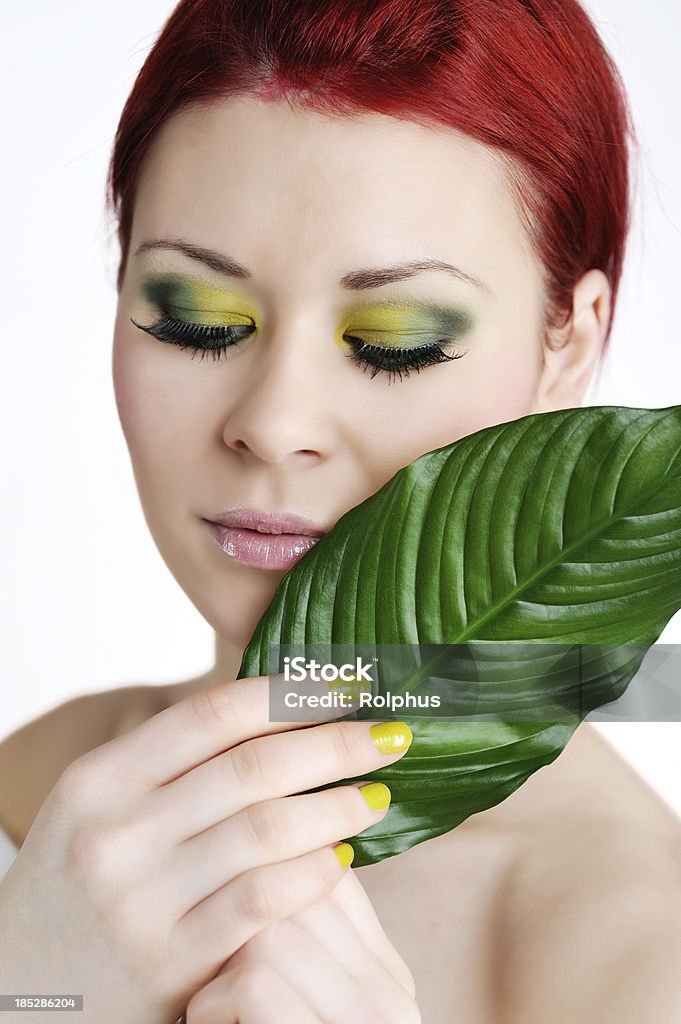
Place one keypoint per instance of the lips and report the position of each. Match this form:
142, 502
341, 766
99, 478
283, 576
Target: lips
265, 539
268, 522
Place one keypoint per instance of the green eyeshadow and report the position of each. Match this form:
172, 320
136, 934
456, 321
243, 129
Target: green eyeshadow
406, 324
390, 323
196, 302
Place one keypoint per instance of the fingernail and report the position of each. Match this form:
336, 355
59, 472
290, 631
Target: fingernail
391, 737
376, 794
345, 854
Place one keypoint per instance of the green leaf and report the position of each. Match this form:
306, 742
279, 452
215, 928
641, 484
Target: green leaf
560, 528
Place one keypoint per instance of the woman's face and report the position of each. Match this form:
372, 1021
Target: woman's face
321, 212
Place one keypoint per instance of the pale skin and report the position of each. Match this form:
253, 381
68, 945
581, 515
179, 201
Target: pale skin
562, 903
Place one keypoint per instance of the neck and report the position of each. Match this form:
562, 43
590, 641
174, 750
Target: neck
227, 661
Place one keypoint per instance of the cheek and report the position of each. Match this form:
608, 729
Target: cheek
125, 388
156, 405
504, 387
495, 382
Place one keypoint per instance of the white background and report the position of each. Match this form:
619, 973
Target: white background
86, 602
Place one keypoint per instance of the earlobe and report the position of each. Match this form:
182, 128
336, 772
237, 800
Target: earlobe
570, 365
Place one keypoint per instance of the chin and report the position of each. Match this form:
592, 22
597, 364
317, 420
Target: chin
244, 601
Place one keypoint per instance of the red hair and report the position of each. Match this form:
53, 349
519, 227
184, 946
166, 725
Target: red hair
530, 78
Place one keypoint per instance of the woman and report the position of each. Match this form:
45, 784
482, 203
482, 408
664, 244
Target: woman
349, 234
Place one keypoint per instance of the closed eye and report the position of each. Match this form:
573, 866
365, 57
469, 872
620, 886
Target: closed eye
203, 338
382, 358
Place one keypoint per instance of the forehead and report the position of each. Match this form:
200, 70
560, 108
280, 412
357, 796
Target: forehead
264, 180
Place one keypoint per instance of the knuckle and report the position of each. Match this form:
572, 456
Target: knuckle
123, 921
78, 780
214, 706
267, 827
258, 902
201, 1006
97, 855
246, 981
127, 923
247, 763
91, 851
264, 944
344, 745
250, 980
206, 1004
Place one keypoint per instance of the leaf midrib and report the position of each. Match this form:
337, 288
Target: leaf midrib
560, 557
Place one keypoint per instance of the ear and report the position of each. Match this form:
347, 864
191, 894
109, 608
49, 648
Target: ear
570, 355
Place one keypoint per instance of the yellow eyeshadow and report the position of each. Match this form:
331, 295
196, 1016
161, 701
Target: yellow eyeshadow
404, 324
197, 302
390, 324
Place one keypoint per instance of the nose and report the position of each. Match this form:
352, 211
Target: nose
283, 410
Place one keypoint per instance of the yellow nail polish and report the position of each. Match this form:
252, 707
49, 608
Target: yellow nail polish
391, 737
376, 794
345, 854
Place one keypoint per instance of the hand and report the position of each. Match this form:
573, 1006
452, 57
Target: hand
159, 854
330, 962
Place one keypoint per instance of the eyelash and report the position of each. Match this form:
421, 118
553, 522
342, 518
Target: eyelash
393, 361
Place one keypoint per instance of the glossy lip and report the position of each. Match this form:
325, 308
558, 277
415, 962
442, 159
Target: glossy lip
266, 539
268, 522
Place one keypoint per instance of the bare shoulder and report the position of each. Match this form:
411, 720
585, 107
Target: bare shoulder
589, 785
591, 910
34, 756
589, 819
571, 879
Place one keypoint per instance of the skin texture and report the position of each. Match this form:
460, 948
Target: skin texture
285, 421
560, 904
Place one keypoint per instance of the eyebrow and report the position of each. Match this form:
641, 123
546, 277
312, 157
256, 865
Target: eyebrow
357, 280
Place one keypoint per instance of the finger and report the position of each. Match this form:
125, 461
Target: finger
249, 996
264, 833
268, 767
375, 969
318, 976
211, 932
189, 732
351, 897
